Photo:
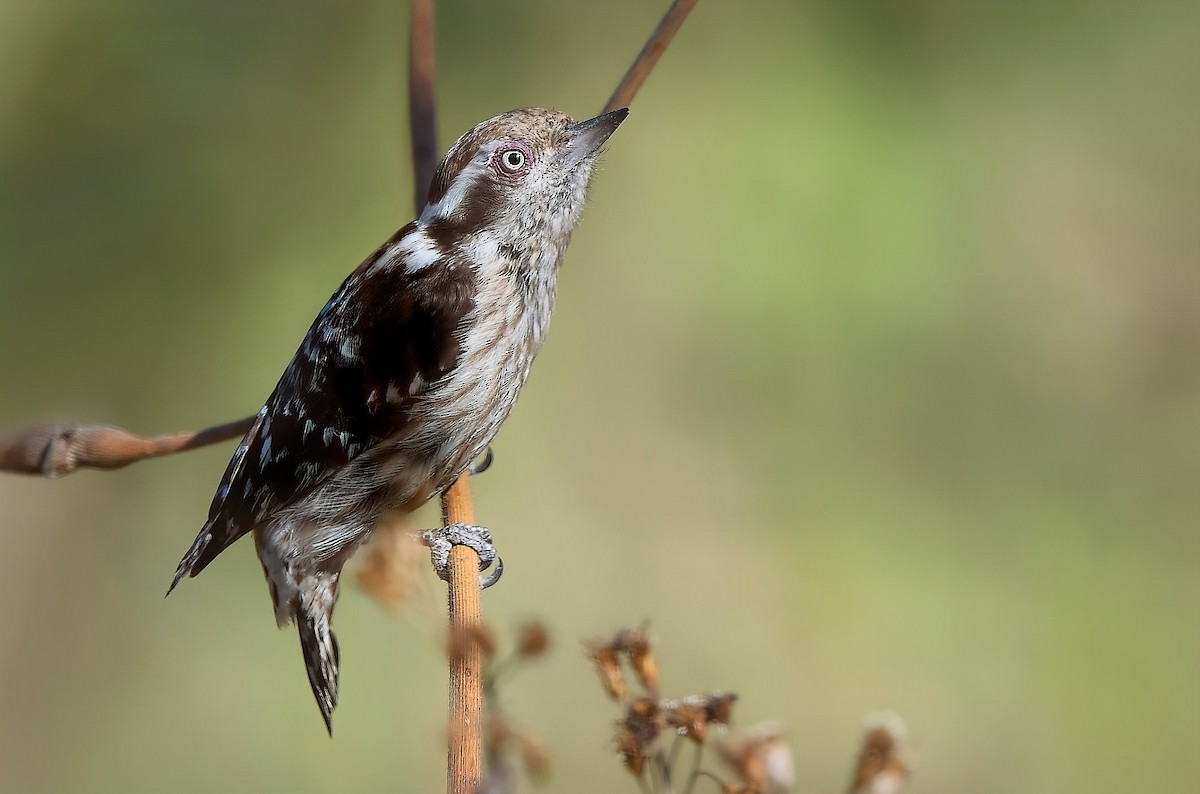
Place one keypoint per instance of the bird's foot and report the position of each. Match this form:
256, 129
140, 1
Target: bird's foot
441, 540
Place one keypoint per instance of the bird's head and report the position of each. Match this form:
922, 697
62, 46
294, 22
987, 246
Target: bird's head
519, 178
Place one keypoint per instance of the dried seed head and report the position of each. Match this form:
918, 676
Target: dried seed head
534, 757
637, 734
630, 641
781, 769
718, 707
630, 752
688, 717
465, 640
645, 666
500, 735
604, 657
882, 764
760, 757
532, 639
497, 732
741, 757
394, 561
637, 646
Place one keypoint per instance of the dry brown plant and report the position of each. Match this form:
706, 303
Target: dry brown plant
649, 736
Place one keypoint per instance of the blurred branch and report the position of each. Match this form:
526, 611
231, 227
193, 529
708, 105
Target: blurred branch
422, 106
55, 449
648, 57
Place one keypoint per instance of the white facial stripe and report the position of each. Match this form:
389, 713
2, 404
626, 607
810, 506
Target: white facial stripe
417, 251
462, 183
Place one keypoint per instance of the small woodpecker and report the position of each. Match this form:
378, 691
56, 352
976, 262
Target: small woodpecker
408, 371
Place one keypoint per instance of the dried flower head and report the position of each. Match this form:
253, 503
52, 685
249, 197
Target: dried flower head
637, 734
500, 735
532, 639
637, 646
882, 765
718, 707
534, 757
498, 732
604, 657
760, 757
688, 717
781, 769
394, 561
465, 640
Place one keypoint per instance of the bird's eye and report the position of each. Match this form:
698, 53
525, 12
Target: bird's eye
512, 160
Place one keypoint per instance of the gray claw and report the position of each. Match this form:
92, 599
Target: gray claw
441, 540
487, 581
482, 464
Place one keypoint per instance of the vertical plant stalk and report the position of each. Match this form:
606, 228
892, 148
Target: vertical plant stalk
464, 768
464, 750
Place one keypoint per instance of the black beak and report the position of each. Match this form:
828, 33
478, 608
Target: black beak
586, 136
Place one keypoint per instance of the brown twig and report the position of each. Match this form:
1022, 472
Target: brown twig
55, 449
648, 57
464, 767
464, 756
422, 105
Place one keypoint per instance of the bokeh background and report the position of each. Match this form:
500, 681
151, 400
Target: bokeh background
873, 383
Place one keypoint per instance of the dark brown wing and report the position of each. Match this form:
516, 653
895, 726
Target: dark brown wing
386, 326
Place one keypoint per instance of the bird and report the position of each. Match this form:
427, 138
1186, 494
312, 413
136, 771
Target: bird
408, 371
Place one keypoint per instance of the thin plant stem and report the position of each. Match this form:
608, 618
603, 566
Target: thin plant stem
704, 773
464, 750
673, 753
648, 57
696, 770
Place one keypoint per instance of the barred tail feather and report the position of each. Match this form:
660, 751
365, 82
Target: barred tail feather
321, 660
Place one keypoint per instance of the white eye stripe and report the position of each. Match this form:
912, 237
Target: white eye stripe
459, 186
491, 157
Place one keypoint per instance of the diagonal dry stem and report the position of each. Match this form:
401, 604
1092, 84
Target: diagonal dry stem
648, 57
55, 449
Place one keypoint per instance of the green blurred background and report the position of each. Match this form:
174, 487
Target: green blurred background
873, 383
